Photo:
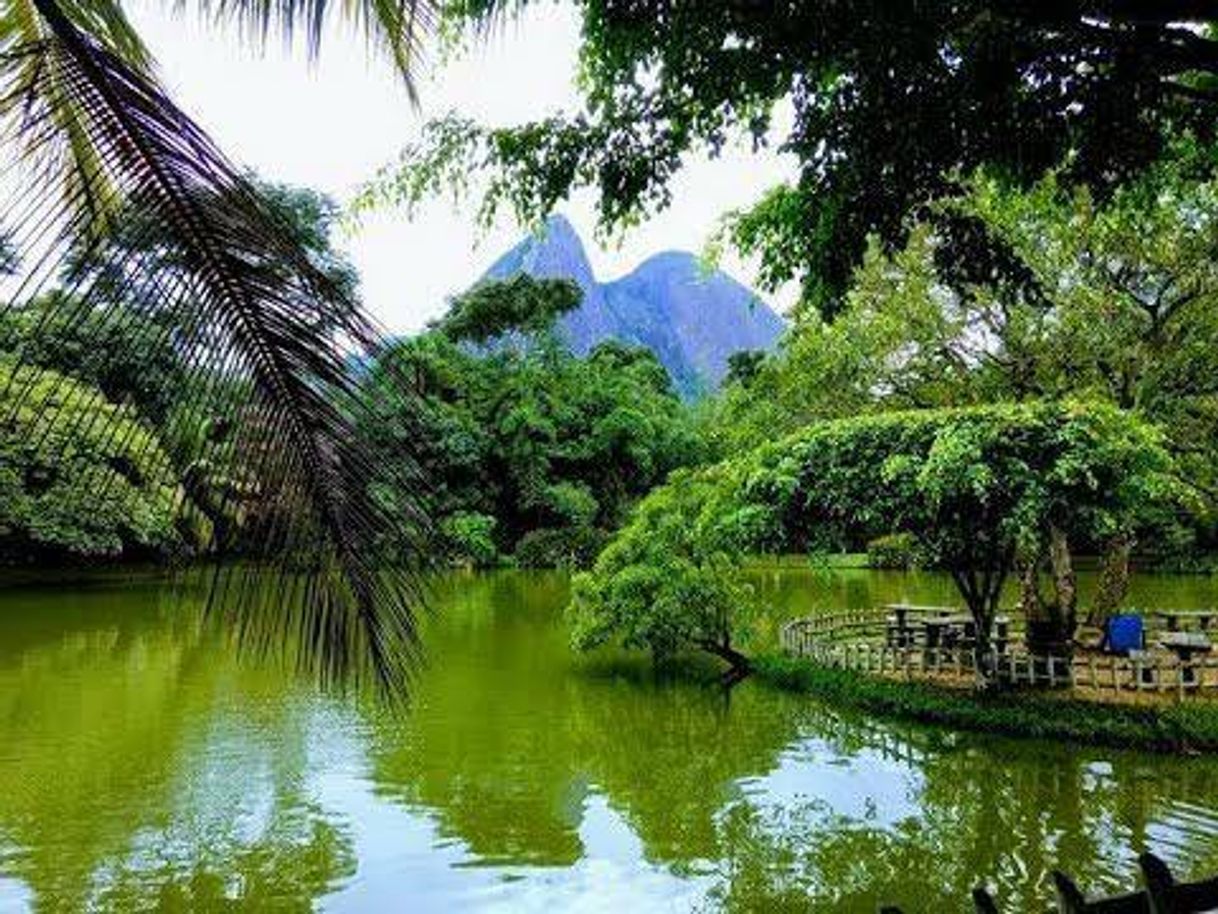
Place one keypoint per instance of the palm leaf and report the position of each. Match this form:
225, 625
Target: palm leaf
392, 28
268, 340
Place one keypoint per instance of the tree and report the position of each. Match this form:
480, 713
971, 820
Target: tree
521, 304
889, 100
93, 136
1118, 304
511, 427
99, 486
666, 581
128, 355
976, 487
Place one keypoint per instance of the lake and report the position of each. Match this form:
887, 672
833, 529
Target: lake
143, 766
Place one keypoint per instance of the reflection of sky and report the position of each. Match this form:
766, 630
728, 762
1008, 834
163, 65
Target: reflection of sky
242, 774
404, 858
870, 784
15, 896
404, 861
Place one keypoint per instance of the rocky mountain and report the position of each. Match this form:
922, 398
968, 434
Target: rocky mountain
691, 319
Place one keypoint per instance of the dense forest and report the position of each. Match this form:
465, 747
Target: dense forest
534, 455
943, 266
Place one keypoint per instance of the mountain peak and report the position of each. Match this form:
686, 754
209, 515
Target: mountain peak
691, 326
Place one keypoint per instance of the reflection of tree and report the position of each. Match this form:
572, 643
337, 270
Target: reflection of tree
504, 735
297, 859
141, 745
999, 812
486, 743
147, 769
670, 756
509, 731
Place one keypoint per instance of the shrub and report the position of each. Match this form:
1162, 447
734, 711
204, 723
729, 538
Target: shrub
895, 550
79, 475
469, 537
560, 547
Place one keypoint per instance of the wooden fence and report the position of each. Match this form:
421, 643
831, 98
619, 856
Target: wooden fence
855, 641
1163, 895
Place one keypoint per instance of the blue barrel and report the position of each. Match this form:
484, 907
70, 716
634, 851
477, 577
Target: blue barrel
1125, 633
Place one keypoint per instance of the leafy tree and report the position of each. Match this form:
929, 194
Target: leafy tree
470, 537
742, 366
545, 443
976, 487
91, 135
1119, 304
888, 100
667, 580
521, 304
99, 486
128, 355
309, 218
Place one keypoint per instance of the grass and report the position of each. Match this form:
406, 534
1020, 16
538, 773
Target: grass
1189, 726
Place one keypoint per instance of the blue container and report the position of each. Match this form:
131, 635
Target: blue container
1125, 633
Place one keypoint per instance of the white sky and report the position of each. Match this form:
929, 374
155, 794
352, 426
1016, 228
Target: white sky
331, 123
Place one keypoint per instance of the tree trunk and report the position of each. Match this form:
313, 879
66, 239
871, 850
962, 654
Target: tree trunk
1050, 623
981, 593
1044, 628
1114, 580
1030, 602
1065, 583
739, 663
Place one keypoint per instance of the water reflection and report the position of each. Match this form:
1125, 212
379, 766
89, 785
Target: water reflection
143, 767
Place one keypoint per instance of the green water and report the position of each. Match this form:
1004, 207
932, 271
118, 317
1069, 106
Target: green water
142, 766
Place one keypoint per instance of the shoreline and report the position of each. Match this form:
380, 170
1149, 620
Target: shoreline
1180, 727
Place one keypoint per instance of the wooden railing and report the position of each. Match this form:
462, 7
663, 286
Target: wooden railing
1162, 895
855, 641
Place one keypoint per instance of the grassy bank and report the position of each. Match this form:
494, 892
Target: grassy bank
1188, 726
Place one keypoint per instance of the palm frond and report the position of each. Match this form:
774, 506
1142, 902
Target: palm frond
266, 341
393, 28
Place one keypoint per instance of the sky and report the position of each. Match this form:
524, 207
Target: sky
332, 122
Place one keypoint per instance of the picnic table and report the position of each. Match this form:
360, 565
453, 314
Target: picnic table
1178, 619
1185, 645
941, 629
899, 631
937, 626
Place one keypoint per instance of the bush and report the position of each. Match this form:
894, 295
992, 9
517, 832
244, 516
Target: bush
896, 550
469, 537
1189, 725
560, 547
79, 476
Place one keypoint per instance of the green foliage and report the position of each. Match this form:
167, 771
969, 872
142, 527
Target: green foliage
742, 366
309, 219
1189, 726
529, 434
894, 550
79, 486
664, 582
973, 486
521, 304
1117, 303
889, 100
469, 537
126, 353
560, 547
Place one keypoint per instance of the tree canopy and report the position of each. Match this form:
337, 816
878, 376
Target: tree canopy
888, 101
528, 449
975, 486
1119, 304
86, 489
